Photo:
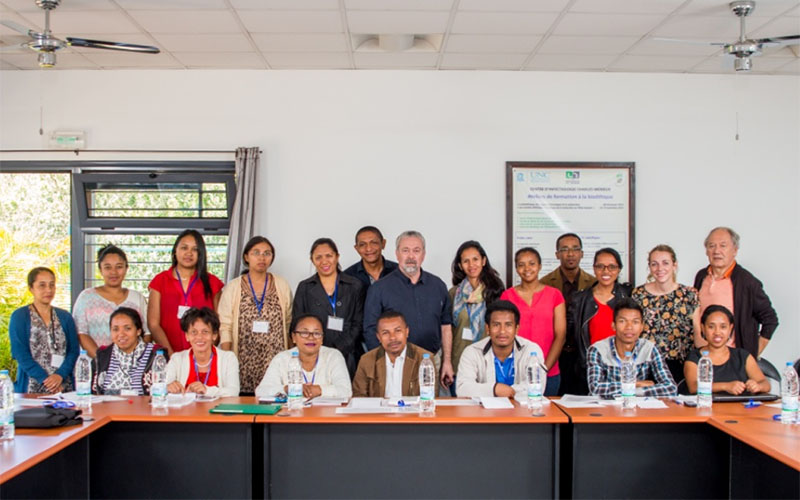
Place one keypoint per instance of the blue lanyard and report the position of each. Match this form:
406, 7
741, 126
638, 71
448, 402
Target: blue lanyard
332, 300
259, 303
498, 368
188, 290
314, 376
197, 372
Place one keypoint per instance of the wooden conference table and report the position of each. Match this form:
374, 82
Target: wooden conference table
462, 452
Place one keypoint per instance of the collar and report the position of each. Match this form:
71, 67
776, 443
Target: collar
401, 357
613, 343
407, 280
360, 265
727, 273
488, 346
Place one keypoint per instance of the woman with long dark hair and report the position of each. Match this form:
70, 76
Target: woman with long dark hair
255, 310
186, 284
476, 284
337, 298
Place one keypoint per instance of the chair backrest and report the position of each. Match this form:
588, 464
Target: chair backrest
772, 374
797, 367
682, 387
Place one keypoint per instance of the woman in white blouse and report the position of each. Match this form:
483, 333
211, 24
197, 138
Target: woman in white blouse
202, 369
324, 369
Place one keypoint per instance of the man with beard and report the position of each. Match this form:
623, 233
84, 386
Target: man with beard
421, 297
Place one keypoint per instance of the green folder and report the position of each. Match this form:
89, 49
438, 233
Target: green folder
246, 409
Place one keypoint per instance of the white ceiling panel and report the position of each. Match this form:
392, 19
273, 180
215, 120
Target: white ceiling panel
191, 21
482, 61
492, 43
399, 4
24, 21
572, 62
651, 47
413, 60
307, 42
790, 68
721, 29
503, 23
221, 42
63, 60
286, 4
778, 27
607, 24
655, 63
309, 60
172, 4
229, 60
721, 8
558, 44
513, 5
627, 6
276, 21
83, 5
393, 22
115, 59
101, 21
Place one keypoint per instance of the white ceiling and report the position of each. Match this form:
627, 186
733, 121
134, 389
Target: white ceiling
549, 35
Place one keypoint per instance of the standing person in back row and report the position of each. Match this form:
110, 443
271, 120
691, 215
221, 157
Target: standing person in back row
421, 297
569, 279
372, 266
726, 283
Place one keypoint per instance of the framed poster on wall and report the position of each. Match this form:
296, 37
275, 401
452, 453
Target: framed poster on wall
592, 200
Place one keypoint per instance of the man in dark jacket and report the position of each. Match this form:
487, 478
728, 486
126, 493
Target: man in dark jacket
726, 283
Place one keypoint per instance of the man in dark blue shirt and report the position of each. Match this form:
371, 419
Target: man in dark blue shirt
420, 296
372, 266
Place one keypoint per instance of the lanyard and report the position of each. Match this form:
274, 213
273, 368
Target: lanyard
498, 367
259, 302
314, 375
197, 372
188, 290
332, 300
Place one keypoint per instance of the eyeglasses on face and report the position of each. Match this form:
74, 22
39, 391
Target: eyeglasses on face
570, 249
603, 267
306, 334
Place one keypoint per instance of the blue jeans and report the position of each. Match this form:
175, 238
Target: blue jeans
551, 389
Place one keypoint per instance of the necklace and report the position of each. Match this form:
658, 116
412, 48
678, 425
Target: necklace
204, 365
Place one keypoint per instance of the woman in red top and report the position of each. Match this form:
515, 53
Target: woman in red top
543, 314
184, 285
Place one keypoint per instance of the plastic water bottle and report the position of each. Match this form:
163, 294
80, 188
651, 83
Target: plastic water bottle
295, 384
158, 391
705, 379
628, 381
83, 381
534, 380
789, 390
6, 407
427, 386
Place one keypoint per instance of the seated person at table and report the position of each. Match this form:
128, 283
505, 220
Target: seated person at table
605, 357
392, 369
735, 369
324, 368
498, 364
126, 366
203, 368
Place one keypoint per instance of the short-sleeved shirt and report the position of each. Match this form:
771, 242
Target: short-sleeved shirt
733, 369
536, 320
719, 292
425, 305
91, 312
169, 286
600, 325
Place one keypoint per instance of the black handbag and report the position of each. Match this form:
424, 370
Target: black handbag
45, 417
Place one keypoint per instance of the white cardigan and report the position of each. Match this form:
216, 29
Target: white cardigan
331, 374
476, 375
227, 372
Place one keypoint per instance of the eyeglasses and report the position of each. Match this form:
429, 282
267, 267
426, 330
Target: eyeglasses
256, 253
610, 267
570, 249
306, 335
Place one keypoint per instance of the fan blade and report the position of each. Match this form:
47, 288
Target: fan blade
100, 44
17, 27
15, 47
783, 40
693, 42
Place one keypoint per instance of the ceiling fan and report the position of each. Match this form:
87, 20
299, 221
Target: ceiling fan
46, 44
744, 48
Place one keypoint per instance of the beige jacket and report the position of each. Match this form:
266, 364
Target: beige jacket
476, 375
228, 310
227, 372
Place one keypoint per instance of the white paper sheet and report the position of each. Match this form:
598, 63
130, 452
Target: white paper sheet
493, 403
573, 401
457, 402
650, 403
328, 401
365, 403
180, 400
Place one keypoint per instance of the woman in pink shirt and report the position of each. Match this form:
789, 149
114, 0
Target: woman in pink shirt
543, 314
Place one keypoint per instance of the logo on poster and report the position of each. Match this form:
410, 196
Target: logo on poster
573, 174
520, 177
540, 177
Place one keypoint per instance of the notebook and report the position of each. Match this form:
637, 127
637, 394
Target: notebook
246, 409
724, 397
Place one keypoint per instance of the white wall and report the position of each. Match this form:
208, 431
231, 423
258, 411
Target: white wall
427, 150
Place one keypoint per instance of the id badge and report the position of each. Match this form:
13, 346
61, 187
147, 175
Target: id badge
260, 326
467, 334
128, 392
56, 360
335, 323
182, 310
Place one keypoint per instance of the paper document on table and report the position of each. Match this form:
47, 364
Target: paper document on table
73, 396
180, 400
494, 403
650, 403
523, 399
457, 402
320, 401
573, 401
365, 403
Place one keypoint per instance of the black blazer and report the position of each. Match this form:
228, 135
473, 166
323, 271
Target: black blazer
310, 298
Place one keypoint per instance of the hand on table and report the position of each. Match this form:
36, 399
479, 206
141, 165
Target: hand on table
175, 388
53, 383
504, 391
736, 387
752, 386
196, 387
311, 391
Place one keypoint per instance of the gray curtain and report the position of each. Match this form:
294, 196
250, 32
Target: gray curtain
242, 218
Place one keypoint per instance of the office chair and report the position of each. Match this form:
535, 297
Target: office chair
772, 374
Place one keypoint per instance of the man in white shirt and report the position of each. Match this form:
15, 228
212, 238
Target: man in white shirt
498, 364
390, 370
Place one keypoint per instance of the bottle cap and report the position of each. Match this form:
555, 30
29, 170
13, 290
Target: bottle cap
788, 363
534, 354
83, 351
704, 352
295, 353
3, 372
628, 353
160, 351
426, 356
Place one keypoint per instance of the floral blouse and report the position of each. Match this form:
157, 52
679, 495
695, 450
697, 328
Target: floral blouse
668, 319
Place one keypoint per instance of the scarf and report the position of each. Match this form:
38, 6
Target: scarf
472, 301
211, 379
125, 370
